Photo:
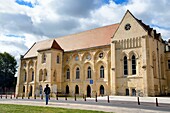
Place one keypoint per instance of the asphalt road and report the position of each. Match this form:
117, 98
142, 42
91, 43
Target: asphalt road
116, 104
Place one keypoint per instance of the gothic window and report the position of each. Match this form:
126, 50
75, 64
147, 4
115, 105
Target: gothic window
77, 73
133, 65
68, 74
89, 72
77, 58
43, 58
58, 59
101, 72
25, 76
32, 75
125, 66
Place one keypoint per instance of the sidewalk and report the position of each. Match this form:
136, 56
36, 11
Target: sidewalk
118, 104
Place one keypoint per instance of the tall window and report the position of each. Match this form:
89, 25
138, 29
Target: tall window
43, 58
125, 66
89, 72
25, 76
133, 65
101, 72
32, 75
168, 64
68, 74
58, 59
154, 68
162, 68
77, 73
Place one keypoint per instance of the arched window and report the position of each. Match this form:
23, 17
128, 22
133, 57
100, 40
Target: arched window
89, 72
45, 74
54, 77
40, 75
43, 58
32, 75
58, 59
68, 74
125, 66
77, 89
133, 65
77, 73
101, 90
101, 72
25, 76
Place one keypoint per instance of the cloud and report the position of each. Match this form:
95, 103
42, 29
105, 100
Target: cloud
21, 25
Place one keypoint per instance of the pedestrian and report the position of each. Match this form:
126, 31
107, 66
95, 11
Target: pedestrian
47, 93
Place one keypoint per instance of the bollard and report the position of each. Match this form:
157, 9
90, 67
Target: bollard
34, 96
16, 96
41, 97
66, 97
57, 96
11, 96
75, 97
6, 96
138, 101
96, 97
28, 97
49, 97
108, 99
22, 96
156, 102
1, 96
84, 97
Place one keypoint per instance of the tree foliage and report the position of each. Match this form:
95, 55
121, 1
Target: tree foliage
8, 66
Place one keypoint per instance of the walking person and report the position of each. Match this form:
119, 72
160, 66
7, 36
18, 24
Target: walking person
47, 93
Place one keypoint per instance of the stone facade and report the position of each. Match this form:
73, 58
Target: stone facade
136, 62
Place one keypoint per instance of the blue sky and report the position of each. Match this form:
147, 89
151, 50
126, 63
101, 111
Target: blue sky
21, 2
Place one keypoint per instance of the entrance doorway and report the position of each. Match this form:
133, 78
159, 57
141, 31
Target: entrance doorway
133, 92
77, 89
101, 90
88, 91
127, 92
30, 93
67, 89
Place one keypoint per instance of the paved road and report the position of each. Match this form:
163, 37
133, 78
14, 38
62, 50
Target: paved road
118, 104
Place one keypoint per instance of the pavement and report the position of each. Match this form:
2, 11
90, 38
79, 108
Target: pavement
117, 104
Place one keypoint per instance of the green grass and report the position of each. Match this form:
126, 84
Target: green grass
10, 108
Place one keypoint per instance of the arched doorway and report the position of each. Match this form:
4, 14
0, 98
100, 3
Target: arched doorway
67, 89
101, 90
77, 89
88, 91
30, 93
127, 92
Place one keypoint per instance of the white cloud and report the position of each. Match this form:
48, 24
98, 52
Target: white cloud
53, 18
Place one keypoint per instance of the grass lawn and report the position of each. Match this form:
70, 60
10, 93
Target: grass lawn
10, 108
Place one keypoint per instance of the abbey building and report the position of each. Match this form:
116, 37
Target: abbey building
128, 58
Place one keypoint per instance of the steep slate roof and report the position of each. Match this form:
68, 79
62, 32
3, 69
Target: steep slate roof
87, 39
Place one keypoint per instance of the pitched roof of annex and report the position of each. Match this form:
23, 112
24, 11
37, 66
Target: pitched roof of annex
83, 40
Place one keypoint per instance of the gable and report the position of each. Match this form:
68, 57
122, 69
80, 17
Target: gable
136, 29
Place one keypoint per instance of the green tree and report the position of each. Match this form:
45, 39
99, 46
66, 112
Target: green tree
8, 66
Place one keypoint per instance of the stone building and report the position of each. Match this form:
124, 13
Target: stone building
128, 58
